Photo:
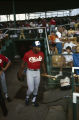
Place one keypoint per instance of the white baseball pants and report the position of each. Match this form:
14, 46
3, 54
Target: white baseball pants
33, 81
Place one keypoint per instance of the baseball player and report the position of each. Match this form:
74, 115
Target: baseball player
3, 68
33, 59
3, 105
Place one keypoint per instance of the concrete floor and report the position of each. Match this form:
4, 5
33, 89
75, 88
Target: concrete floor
52, 102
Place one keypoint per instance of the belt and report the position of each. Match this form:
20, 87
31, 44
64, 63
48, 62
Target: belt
33, 69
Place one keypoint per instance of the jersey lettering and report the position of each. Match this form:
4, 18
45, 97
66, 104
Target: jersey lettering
35, 59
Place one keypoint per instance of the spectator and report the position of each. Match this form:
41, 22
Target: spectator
71, 32
58, 40
76, 60
52, 25
77, 41
67, 59
52, 43
72, 24
32, 24
69, 43
22, 36
76, 34
64, 31
43, 22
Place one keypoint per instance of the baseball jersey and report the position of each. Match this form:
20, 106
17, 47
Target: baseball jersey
33, 60
3, 59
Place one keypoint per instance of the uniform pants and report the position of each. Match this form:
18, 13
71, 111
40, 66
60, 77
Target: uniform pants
33, 81
3, 82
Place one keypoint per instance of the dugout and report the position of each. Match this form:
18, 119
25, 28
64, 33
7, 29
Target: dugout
23, 46
23, 38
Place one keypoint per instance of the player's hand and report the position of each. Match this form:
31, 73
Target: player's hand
3, 69
20, 76
44, 73
1, 72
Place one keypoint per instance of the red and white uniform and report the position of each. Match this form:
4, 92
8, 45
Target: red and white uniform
33, 72
2, 60
33, 60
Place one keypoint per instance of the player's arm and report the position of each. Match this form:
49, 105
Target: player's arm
21, 69
43, 67
23, 65
7, 66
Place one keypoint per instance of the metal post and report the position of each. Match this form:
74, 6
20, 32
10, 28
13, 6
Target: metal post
75, 95
48, 59
14, 13
46, 52
9, 17
74, 111
72, 83
0, 17
70, 12
45, 15
28, 16
25, 16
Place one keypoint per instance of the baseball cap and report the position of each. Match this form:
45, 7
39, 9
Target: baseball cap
36, 44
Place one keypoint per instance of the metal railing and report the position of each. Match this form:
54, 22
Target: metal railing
75, 95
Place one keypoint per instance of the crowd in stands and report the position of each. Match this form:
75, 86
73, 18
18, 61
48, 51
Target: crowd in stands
65, 43
44, 22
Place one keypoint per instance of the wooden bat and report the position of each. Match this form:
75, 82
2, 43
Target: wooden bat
49, 76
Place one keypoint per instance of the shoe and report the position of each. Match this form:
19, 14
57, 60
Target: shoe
8, 99
5, 113
36, 104
34, 101
27, 101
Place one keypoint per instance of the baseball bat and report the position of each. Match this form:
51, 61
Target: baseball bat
49, 76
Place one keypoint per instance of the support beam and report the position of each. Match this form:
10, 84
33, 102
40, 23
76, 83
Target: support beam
73, 68
14, 13
75, 95
28, 16
45, 14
